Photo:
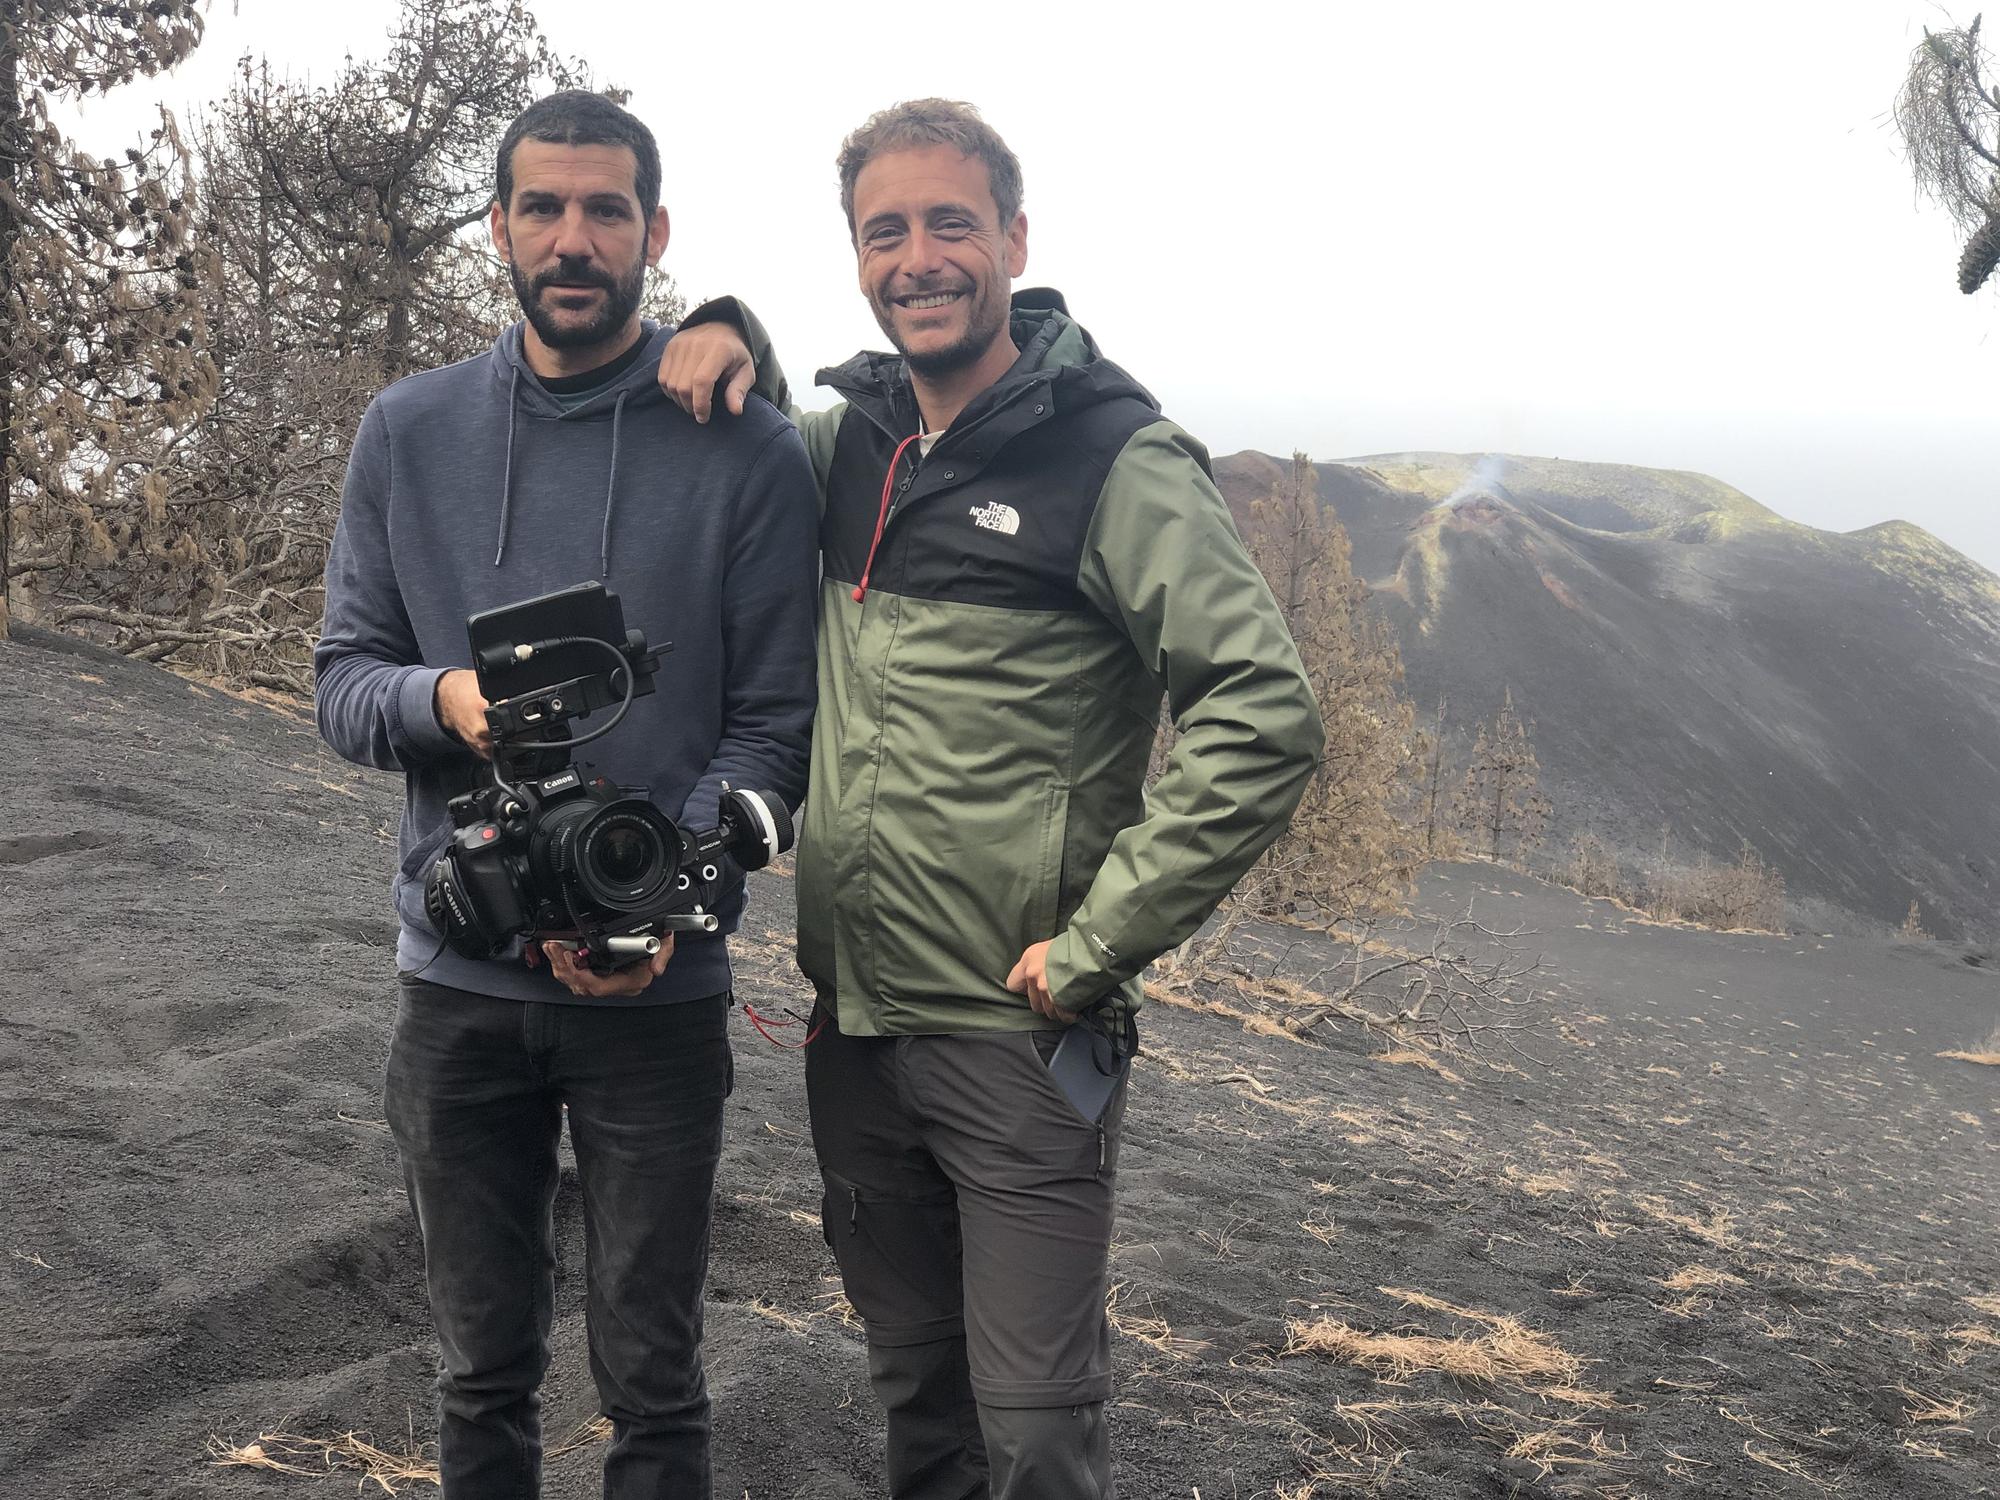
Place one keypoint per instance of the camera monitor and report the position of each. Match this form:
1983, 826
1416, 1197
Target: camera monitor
576, 617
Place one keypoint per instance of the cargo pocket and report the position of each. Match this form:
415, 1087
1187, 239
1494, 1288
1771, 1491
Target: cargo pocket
899, 1260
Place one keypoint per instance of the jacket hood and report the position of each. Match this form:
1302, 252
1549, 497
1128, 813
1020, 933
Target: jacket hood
638, 386
1057, 355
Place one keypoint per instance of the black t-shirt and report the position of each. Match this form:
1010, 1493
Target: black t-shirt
571, 391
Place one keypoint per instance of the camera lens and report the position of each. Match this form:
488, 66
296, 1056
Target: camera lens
623, 854
626, 854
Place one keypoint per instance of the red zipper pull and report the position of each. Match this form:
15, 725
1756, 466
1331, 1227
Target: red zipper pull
882, 515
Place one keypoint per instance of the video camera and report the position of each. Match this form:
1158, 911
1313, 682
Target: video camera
551, 850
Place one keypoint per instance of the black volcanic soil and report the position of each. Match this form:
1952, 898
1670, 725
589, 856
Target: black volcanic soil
203, 1234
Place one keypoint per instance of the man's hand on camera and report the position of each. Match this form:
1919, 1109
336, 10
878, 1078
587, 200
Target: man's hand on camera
462, 711
566, 963
698, 359
1030, 977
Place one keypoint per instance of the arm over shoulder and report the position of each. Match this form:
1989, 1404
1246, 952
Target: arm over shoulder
817, 428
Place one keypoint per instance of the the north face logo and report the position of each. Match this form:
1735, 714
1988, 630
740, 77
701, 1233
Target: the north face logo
996, 517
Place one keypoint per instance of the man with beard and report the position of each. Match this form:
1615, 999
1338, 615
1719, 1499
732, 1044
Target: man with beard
1020, 559
551, 460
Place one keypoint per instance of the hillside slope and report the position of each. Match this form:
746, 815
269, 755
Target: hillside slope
1743, 1203
1693, 662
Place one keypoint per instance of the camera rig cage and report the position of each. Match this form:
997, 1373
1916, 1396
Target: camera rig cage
550, 851
542, 663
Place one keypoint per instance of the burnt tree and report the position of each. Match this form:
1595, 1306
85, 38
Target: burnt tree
103, 365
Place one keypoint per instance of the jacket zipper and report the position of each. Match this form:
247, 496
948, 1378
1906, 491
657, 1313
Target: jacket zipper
882, 515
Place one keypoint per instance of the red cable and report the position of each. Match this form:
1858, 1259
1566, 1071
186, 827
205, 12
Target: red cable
882, 515
764, 1030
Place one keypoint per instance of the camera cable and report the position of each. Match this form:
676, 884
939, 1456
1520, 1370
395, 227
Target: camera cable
529, 649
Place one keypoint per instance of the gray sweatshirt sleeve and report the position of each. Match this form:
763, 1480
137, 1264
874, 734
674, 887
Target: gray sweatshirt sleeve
768, 592
373, 697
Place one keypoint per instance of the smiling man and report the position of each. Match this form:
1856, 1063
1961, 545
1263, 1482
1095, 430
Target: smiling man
1020, 559
551, 460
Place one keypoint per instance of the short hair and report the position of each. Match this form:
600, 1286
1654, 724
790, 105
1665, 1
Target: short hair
577, 117
916, 123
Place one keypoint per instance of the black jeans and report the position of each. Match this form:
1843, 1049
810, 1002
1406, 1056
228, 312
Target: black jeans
474, 1097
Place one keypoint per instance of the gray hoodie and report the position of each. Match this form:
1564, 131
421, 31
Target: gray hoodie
470, 488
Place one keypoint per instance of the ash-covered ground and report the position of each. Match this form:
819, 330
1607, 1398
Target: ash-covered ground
1732, 1232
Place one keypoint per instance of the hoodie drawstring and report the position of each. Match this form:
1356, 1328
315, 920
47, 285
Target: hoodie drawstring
611, 488
507, 473
882, 515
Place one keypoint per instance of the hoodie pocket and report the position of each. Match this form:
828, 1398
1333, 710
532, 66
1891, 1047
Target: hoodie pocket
413, 873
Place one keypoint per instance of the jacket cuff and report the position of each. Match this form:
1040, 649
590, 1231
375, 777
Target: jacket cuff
1076, 978
769, 374
716, 310
416, 715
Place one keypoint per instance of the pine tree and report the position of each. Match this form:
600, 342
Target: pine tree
1345, 850
103, 360
1948, 114
377, 176
1500, 803
348, 222
1439, 840
382, 178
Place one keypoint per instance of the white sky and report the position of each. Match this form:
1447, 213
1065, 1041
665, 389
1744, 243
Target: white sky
1680, 236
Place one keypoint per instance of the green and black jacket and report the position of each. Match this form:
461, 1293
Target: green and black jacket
987, 704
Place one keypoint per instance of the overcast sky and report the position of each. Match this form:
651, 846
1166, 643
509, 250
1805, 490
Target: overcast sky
1677, 236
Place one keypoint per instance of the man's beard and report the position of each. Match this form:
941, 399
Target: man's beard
984, 324
620, 302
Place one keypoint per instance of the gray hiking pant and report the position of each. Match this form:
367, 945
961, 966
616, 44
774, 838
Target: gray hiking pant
970, 1206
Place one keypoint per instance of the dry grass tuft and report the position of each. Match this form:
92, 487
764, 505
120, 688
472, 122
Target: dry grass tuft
583, 1435
1970, 1339
1155, 1333
1718, 1229
1251, 1021
1693, 1305
313, 1458
792, 1323
1410, 1057
1925, 1407
1687, 1278
1505, 1352
1322, 1226
1987, 1053
1563, 1447
1540, 1184
834, 1304
1777, 1462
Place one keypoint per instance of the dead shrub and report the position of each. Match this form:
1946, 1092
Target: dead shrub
1747, 896
1592, 869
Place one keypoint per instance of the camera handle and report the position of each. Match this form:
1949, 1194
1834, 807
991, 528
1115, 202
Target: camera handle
687, 922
